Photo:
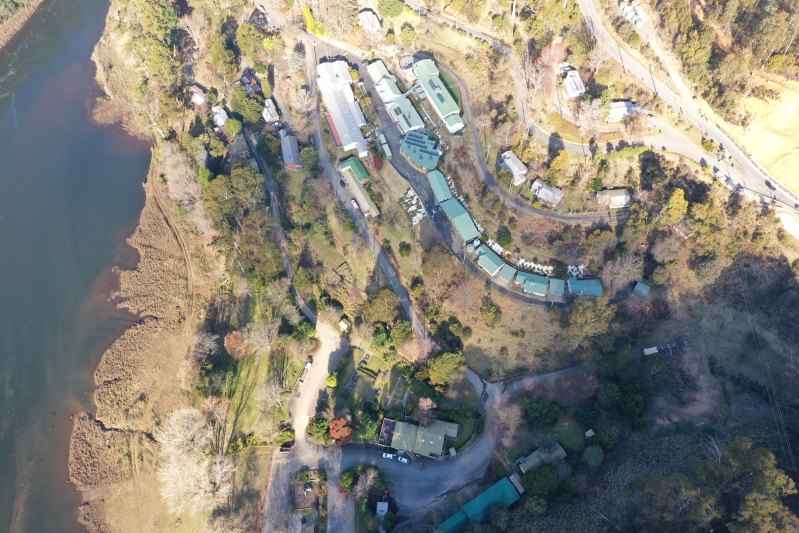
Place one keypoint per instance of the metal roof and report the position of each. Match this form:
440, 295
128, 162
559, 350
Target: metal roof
557, 287
542, 455
547, 193
489, 260
290, 150
614, 198
437, 93
515, 166
420, 149
399, 106
438, 183
586, 286
461, 219
335, 84
507, 273
354, 165
422, 440
642, 289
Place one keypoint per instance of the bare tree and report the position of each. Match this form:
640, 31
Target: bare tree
596, 57
259, 335
271, 395
425, 410
232, 522
622, 270
205, 345
711, 449
196, 25
509, 419
304, 102
185, 433
366, 480
504, 133
196, 485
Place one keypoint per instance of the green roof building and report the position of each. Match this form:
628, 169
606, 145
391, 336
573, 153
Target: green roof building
489, 260
438, 95
508, 273
503, 493
438, 183
532, 283
460, 219
642, 289
420, 150
586, 287
557, 287
421, 440
353, 164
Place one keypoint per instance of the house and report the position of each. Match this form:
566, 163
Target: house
550, 455
438, 95
344, 115
270, 113
290, 150
642, 289
197, 93
532, 283
355, 176
420, 150
546, 193
427, 441
438, 183
460, 219
398, 105
251, 82
220, 116
613, 199
489, 260
503, 493
514, 165
354, 166
621, 108
369, 21
572, 83
585, 286
381, 509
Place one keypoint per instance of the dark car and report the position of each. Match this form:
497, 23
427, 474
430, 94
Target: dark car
342, 183
770, 185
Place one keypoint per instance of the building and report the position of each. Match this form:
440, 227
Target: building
642, 289
427, 441
220, 116
489, 260
557, 288
460, 219
352, 165
197, 93
344, 115
438, 95
514, 165
355, 176
369, 21
420, 150
613, 199
438, 183
270, 113
585, 286
399, 106
572, 83
290, 150
251, 82
508, 273
503, 493
542, 455
532, 283
622, 108
547, 193
381, 509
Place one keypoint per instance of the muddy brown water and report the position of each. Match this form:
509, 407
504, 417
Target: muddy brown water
70, 192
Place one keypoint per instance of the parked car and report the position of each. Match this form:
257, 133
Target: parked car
770, 185
342, 183
354, 204
402, 459
389, 456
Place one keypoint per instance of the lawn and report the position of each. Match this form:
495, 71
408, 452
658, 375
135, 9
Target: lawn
571, 436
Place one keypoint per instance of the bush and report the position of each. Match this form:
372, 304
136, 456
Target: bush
499, 517
405, 249
347, 479
390, 8
332, 380
609, 437
540, 413
490, 313
542, 481
309, 158
318, 431
593, 456
535, 505
233, 126
504, 237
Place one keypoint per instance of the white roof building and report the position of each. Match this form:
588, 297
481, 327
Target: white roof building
572, 83
398, 105
547, 193
515, 166
197, 95
220, 115
622, 108
613, 198
381, 509
270, 113
344, 115
369, 21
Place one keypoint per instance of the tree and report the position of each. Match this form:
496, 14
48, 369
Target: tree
509, 419
318, 431
401, 333
184, 433
367, 479
340, 431
407, 34
347, 479
490, 313
590, 319
405, 249
675, 210
250, 40
309, 158
535, 505
609, 437
332, 380
499, 517
504, 237
444, 368
383, 307
249, 107
304, 102
425, 410
233, 126
220, 55
593, 456
390, 8
622, 270
608, 395
542, 481
235, 345
540, 413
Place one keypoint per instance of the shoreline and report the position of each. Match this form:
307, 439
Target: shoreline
10, 27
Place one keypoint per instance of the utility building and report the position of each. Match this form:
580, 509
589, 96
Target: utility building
438, 95
399, 106
344, 115
290, 150
613, 198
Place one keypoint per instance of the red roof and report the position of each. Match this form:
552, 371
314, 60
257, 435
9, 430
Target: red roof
333, 129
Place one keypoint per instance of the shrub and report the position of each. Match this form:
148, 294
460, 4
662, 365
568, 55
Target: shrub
390, 8
542, 481
593, 456
609, 436
535, 505
233, 126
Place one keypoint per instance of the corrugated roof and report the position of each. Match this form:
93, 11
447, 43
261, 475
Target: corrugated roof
354, 165
586, 286
423, 440
614, 198
437, 93
461, 219
489, 260
399, 106
290, 150
438, 183
507, 273
420, 149
335, 84
542, 455
513, 163
557, 287
501, 493
454, 524
642, 289
547, 193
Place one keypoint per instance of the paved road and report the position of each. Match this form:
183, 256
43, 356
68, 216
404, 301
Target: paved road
752, 175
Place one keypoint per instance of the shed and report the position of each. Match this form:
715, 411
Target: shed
514, 165
613, 198
489, 260
438, 183
642, 289
290, 150
547, 193
585, 286
460, 219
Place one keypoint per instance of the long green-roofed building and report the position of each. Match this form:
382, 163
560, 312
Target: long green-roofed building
438, 95
507, 273
532, 283
503, 493
460, 219
489, 260
438, 183
557, 287
586, 287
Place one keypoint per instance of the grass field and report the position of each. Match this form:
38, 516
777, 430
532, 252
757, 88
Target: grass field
571, 436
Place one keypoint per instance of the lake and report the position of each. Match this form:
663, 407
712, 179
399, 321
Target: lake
70, 193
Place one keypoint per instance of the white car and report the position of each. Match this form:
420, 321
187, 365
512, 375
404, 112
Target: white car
402, 459
389, 456
354, 204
